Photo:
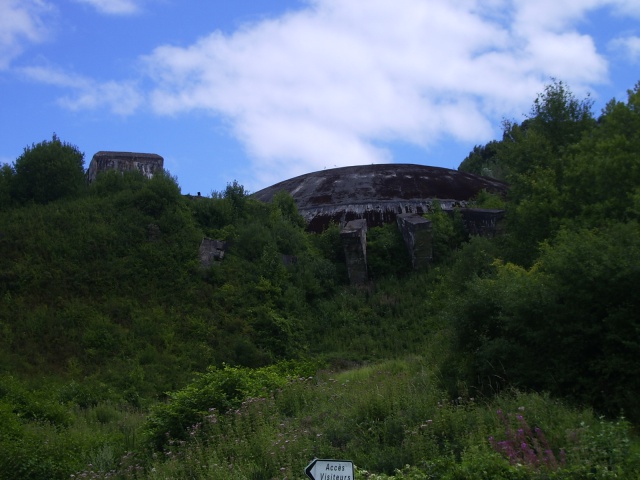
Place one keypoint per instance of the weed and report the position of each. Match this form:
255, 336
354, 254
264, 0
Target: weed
526, 446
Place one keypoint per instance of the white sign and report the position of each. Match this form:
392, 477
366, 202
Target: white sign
330, 470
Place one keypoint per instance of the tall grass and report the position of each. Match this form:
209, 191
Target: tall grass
384, 417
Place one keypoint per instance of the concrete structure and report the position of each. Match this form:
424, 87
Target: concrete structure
378, 193
418, 236
361, 197
211, 251
354, 243
146, 163
485, 222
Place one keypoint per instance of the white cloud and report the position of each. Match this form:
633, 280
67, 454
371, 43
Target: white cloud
121, 98
562, 55
626, 7
326, 85
25, 22
22, 22
329, 84
629, 46
114, 7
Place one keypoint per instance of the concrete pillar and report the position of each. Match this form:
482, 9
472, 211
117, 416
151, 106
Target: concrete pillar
418, 237
354, 242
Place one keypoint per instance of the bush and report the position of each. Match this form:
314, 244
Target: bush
566, 325
33, 405
448, 232
386, 252
219, 389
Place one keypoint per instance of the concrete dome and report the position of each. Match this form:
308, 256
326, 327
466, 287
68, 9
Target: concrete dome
378, 193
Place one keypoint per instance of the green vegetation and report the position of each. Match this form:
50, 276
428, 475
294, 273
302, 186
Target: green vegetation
47, 171
513, 357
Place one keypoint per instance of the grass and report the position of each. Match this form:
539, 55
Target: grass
382, 403
385, 417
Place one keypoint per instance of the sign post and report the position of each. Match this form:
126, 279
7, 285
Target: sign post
330, 470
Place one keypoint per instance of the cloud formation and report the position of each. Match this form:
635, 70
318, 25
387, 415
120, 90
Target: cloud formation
629, 46
22, 22
330, 84
121, 98
335, 81
114, 7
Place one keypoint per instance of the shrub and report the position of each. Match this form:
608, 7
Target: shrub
565, 325
448, 232
386, 252
221, 389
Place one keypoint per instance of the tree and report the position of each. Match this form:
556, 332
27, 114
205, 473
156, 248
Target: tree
482, 161
237, 196
48, 171
601, 181
535, 156
561, 117
6, 183
567, 325
557, 119
286, 207
562, 316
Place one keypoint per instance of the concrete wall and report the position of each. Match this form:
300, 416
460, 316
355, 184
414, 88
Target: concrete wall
483, 221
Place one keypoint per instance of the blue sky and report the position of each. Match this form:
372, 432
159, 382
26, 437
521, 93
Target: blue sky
262, 90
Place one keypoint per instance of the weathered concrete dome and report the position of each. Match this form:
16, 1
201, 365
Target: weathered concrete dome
378, 193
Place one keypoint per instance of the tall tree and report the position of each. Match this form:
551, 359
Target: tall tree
48, 171
556, 120
534, 154
602, 172
560, 116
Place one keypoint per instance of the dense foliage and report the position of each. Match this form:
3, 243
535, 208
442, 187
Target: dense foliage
47, 171
562, 290
109, 284
121, 356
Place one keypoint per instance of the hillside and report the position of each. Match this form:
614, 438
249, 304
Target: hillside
122, 357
